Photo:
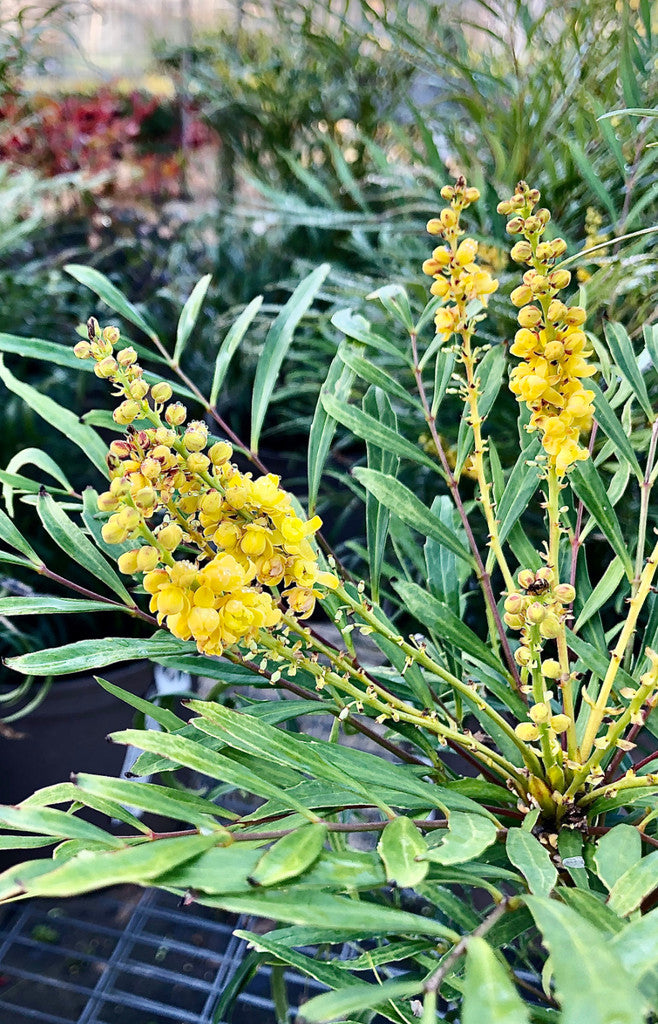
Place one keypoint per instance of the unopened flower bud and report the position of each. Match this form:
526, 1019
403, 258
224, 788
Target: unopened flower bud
120, 487
127, 562
550, 627
147, 558
170, 536
529, 316
138, 390
434, 226
514, 621
521, 252
522, 656
93, 328
535, 613
521, 295
220, 453
127, 412
504, 207
471, 194
447, 192
559, 279
127, 356
146, 498
111, 335
560, 723
197, 462
129, 518
515, 227
540, 713
175, 414
550, 669
106, 368
82, 350
161, 392
107, 502
527, 732
532, 225
112, 532
575, 316
526, 578
543, 215
558, 246
514, 604
564, 593
195, 437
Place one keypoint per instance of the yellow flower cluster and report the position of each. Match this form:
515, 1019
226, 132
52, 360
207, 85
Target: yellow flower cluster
550, 340
539, 607
173, 493
457, 277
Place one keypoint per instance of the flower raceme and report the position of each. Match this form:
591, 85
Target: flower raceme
550, 340
170, 493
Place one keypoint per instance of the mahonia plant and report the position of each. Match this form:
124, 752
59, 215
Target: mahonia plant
177, 495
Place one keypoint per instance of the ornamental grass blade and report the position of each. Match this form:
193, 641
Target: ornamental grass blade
72, 540
278, 341
489, 995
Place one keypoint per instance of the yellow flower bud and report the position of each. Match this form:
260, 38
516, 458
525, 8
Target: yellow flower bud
195, 438
447, 192
551, 669
151, 468
170, 600
527, 732
197, 463
147, 558
434, 226
559, 279
155, 580
535, 613
129, 518
82, 350
111, 335
161, 392
526, 578
564, 593
559, 246
146, 498
127, 562
107, 502
220, 453
514, 604
127, 356
522, 655
540, 713
515, 227
175, 414
550, 627
127, 412
560, 723
575, 316
514, 621
113, 533
529, 316
504, 207
521, 252
106, 368
138, 390
521, 295
170, 536
471, 195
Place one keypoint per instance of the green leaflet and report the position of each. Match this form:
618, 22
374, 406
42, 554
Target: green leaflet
84, 655
190, 315
357, 327
278, 341
533, 861
369, 428
489, 995
338, 383
443, 621
290, 856
616, 853
588, 486
606, 417
377, 404
469, 835
62, 419
110, 295
591, 982
12, 536
32, 457
407, 507
373, 374
637, 948
362, 996
400, 847
133, 864
51, 822
45, 605
603, 591
624, 356
230, 345
634, 885
170, 803
521, 485
71, 539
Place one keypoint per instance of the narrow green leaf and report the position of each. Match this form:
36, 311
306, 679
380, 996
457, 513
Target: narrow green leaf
278, 341
368, 428
400, 846
323, 427
603, 591
60, 418
84, 655
290, 856
357, 327
88, 871
443, 621
522, 484
371, 373
590, 906
165, 718
363, 996
377, 404
588, 486
624, 356
71, 539
170, 803
634, 885
489, 994
589, 174
407, 507
44, 604
637, 948
650, 332
49, 822
33, 457
606, 417
12, 536
468, 836
190, 315
230, 345
591, 982
445, 575
110, 295
395, 301
570, 848
533, 861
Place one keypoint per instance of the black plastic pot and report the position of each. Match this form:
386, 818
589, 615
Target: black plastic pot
67, 733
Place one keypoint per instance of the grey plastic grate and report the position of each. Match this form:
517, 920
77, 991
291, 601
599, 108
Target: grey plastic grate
127, 958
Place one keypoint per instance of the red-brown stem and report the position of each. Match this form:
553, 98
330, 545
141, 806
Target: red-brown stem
483, 576
133, 610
